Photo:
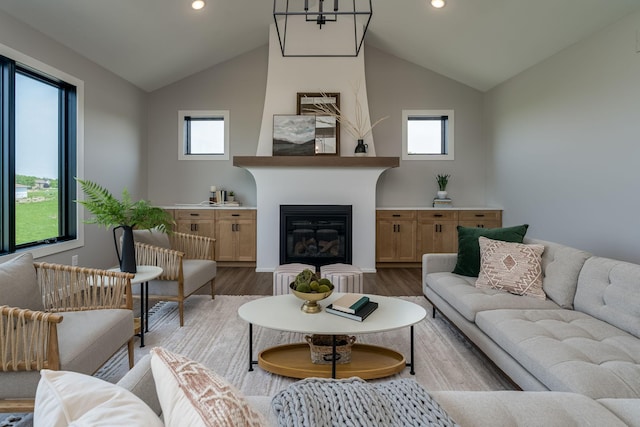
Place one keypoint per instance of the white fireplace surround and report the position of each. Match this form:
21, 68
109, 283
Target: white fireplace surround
316, 183
316, 186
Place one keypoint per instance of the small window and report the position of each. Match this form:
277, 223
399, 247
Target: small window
204, 135
427, 134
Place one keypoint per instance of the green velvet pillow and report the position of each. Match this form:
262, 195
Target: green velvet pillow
468, 263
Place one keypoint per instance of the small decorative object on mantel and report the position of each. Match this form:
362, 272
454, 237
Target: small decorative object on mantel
126, 214
358, 126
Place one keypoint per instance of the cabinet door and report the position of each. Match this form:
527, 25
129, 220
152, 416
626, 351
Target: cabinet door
405, 240
396, 235
246, 240
236, 235
225, 235
437, 231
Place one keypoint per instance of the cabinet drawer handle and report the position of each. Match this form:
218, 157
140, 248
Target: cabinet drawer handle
438, 215
398, 228
479, 215
396, 215
194, 214
235, 214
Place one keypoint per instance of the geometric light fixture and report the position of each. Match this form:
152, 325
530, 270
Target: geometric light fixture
437, 3
321, 28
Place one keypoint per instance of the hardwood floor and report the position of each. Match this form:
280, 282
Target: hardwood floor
387, 281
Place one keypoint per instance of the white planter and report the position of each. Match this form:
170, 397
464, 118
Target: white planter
442, 194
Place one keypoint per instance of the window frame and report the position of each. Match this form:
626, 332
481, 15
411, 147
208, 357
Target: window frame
72, 225
450, 140
202, 114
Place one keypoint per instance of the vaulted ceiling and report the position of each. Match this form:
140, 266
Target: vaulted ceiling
481, 43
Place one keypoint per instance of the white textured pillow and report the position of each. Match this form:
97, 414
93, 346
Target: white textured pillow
192, 395
72, 399
511, 267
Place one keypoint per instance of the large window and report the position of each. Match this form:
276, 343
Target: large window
427, 134
38, 162
203, 135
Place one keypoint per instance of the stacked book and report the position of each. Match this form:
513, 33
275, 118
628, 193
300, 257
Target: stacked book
442, 203
352, 306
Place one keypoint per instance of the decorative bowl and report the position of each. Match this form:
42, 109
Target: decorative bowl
310, 299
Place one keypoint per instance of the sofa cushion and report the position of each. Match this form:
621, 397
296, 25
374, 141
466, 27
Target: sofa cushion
523, 408
196, 273
627, 410
192, 395
73, 399
511, 267
561, 265
152, 237
468, 262
568, 350
19, 284
461, 294
610, 290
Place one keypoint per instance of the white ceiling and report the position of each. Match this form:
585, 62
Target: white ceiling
481, 43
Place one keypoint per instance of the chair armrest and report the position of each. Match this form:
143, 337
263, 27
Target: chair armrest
168, 259
193, 246
28, 340
438, 263
69, 288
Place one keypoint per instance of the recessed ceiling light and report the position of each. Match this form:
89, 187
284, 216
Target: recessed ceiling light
197, 4
437, 3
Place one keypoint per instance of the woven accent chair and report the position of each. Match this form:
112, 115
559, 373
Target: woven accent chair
187, 261
58, 317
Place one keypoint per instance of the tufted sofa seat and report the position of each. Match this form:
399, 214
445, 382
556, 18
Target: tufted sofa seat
584, 338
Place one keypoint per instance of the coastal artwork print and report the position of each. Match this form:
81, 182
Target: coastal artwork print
294, 135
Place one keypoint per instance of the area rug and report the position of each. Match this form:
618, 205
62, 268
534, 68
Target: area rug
214, 335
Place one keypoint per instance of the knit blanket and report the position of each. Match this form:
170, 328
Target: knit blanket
353, 402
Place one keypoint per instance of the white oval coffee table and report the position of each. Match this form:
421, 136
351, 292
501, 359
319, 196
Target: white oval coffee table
282, 312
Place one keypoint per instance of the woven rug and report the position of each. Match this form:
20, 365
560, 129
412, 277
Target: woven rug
217, 337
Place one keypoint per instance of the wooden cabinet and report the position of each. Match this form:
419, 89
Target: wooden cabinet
396, 236
437, 232
403, 236
481, 218
235, 235
195, 221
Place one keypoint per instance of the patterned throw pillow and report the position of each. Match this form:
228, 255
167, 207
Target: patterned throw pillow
192, 395
511, 267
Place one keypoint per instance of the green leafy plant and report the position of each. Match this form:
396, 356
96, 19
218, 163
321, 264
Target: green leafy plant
111, 212
442, 180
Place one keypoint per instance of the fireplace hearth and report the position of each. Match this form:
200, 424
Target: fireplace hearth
315, 234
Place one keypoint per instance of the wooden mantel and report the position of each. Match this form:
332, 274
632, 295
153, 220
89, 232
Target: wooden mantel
316, 161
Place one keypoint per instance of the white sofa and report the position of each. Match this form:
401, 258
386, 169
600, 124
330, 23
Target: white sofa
584, 338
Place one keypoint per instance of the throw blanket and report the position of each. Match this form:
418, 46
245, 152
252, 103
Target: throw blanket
315, 402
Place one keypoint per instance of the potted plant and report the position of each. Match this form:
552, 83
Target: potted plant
442, 180
126, 214
231, 196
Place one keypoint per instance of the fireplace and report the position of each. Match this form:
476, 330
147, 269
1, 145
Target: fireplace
315, 234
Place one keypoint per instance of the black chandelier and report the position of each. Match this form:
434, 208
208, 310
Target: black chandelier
288, 14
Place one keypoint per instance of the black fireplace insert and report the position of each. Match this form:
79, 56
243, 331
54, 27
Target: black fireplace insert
315, 234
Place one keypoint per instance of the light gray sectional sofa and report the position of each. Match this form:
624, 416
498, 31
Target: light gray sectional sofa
584, 338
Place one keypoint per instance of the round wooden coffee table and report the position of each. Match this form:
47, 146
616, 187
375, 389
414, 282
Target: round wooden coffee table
282, 312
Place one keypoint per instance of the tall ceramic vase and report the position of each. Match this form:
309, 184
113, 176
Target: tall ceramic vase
128, 259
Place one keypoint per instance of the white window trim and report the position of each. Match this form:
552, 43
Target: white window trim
78, 242
202, 113
428, 113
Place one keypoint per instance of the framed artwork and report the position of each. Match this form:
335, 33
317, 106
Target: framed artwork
327, 139
294, 135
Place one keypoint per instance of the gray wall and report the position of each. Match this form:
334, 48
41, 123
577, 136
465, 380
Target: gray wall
394, 85
114, 140
239, 85
564, 139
